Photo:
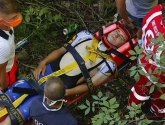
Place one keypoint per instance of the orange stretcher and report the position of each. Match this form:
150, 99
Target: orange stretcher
120, 62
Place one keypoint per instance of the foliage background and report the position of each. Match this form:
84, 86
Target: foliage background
43, 24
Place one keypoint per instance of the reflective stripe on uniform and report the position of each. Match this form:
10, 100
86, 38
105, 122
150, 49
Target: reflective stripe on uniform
139, 97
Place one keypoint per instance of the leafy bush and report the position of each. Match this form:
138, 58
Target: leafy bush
108, 112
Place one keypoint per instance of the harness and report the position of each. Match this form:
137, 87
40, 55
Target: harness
80, 61
25, 91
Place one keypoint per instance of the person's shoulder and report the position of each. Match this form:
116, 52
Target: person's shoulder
153, 11
69, 119
3, 44
36, 101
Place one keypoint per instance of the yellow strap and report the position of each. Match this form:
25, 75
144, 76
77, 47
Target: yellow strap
63, 70
94, 46
16, 103
92, 56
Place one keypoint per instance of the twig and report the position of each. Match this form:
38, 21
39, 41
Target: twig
26, 65
93, 11
81, 19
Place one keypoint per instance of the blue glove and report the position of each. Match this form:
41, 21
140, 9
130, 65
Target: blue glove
140, 42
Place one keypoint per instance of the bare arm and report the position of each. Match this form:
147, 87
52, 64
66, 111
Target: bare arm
96, 79
121, 7
7, 121
52, 56
3, 84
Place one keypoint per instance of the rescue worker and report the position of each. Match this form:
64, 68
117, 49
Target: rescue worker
51, 109
9, 18
153, 25
134, 10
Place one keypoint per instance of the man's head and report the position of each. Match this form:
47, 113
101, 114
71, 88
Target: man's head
9, 13
54, 88
117, 37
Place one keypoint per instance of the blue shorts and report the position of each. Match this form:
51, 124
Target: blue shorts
138, 21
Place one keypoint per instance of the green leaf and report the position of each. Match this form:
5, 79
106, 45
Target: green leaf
162, 97
100, 94
139, 50
108, 117
104, 109
27, 18
133, 68
147, 121
132, 114
88, 103
138, 111
95, 97
111, 110
160, 85
140, 56
134, 105
153, 78
105, 120
111, 123
105, 103
148, 57
112, 101
132, 52
127, 116
132, 57
82, 106
87, 111
137, 77
152, 89
141, 72
149, 84
133, 73
115, 106
130, 108
104, 98
96, 102
43, 11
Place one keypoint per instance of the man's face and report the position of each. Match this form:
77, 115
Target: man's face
6, 19
116, 38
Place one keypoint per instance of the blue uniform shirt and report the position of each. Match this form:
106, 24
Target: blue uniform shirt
41, 116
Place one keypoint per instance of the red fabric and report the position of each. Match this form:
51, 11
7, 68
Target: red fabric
140, 89
11, 75
152, 26
3, 118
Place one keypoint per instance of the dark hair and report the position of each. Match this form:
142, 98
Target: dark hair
9, 6
54, 88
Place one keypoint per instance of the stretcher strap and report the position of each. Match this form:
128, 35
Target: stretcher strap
117, 53
16, 103
81, 64
25, 91
15, 117
36, 89
64, 70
